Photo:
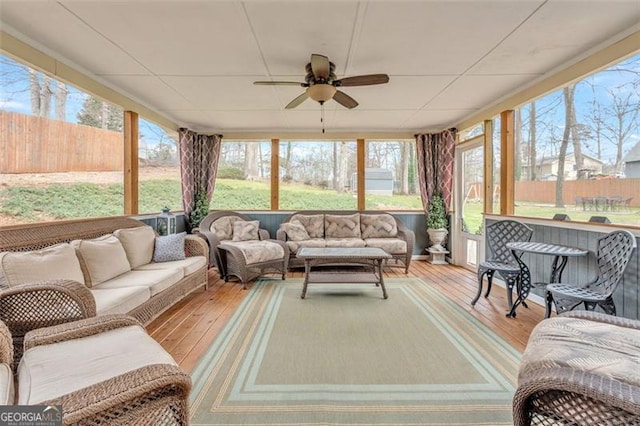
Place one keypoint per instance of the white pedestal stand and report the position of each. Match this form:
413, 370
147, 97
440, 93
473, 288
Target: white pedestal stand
437, 256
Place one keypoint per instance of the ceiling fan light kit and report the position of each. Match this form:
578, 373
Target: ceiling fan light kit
322, 84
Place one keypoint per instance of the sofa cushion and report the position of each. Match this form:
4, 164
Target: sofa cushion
313, 223
223, 227
258, 251
342, 226
157, 280
169, 248
188, 265
378, 226
294, 246
101, 259
295, 231
345, 242
138, 244
390, 245
52, 263
245, 230
84, 362
119, 300
6, 385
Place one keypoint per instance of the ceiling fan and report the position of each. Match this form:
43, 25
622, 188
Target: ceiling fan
322, 85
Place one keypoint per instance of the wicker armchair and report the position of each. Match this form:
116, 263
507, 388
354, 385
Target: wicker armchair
580, 368
28, 307
230, 259
152, 390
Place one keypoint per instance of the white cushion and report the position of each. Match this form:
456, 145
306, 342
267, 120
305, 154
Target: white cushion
101, 259
49, 371
246, 230
137, 243
119, 300
6, 385
52, 263
390, 245
156, 280
295, 231
188, 265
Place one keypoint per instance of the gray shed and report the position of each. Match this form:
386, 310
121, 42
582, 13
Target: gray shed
632, 162
377, 181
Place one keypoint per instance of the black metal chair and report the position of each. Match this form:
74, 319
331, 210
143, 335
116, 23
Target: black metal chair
612, 257
501, 260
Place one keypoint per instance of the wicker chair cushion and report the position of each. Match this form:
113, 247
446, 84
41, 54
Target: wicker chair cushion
119, 300
188, 265
342, 226
223, 227
52, 263
294, 246
378, 226
246, 230
83, 362
101, 259
313, 223
344, 242
390, 245
295, 231
156, 280
6, 385
138, 244
258, 251
583, 345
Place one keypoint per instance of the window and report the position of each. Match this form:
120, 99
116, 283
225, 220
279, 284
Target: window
578, 149
391, 176
62, 149
243, 176
495, 178
317, 175
471, 132
158, 169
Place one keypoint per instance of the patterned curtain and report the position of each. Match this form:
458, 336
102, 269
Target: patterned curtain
435, 165
199, 156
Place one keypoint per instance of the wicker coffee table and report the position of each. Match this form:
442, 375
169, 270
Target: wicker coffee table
369, 258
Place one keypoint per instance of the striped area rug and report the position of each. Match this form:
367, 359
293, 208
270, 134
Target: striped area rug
346, 356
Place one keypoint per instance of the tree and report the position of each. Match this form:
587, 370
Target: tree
61, 100
569, 114
533, 154
405, 152
97, 113
251, 169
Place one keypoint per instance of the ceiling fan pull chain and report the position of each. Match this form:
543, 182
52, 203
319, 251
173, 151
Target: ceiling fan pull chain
322, 115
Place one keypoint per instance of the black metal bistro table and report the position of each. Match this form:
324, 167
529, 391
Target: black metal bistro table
561, 255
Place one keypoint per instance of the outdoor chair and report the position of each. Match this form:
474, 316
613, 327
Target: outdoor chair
612, 258
580, 368
241, 249
500, 259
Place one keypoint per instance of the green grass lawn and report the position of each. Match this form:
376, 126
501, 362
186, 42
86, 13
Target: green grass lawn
80, 200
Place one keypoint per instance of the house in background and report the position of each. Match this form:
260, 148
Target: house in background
547, 167
632, 162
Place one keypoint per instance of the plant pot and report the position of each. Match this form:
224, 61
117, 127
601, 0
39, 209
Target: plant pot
437, 236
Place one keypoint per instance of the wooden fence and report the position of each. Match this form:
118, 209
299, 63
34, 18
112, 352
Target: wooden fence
31, 144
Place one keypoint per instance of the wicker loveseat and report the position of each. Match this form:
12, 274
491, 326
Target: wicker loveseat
347, 229
141, 289
580, 368
101, 370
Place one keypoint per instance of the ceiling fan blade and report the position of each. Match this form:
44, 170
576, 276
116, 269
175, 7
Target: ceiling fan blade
297, 101
345, 100
362, 80
279, 83
320, 66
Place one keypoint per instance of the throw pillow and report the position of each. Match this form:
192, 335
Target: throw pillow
378, 225
295, 231
246, 230
169, 248
57, 262
138, 244
313, 223
101, 259
342, 226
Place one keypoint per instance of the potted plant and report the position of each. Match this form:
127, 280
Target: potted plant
437, 223
200, 211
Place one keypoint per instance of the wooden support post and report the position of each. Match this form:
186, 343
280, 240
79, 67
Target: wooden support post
275, 173
130, 162
488, 166
361, 165
507, 162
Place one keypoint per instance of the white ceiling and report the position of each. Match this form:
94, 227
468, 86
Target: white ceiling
194, 61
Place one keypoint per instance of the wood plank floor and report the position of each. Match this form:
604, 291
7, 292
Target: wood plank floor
188, 328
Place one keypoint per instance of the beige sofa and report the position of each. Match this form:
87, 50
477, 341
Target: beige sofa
92, 267
347, 229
